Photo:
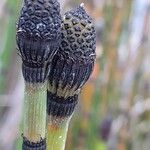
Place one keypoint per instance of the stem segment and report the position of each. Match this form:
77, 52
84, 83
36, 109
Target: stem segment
59, 113
35, 112
57, 132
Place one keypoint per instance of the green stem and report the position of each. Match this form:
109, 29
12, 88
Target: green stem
57, 132
35, 111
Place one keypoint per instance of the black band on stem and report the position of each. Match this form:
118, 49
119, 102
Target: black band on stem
34, 75
27, 145
59, 106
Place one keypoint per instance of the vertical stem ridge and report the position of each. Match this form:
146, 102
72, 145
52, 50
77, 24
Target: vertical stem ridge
35, 111
57, 132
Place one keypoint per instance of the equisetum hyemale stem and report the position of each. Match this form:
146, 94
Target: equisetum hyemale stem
57, 132
70, 69
38, 38
34, 115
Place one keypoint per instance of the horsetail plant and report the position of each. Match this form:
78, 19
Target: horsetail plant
71, 68
38, 37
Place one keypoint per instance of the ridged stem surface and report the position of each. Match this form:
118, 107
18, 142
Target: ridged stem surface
35, 111
57, 132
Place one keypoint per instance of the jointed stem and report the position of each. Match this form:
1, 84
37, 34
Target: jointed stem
35, 112
57, 132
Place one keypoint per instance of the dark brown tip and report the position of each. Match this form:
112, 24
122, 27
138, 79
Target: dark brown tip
39, 32
74, 62
78, 36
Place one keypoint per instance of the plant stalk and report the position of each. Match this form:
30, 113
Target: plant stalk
35, 112
57, 132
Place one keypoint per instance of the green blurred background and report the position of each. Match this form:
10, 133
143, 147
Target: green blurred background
114, 108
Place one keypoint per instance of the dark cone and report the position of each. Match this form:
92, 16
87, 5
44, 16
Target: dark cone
78, 37
39, 32
74, 62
